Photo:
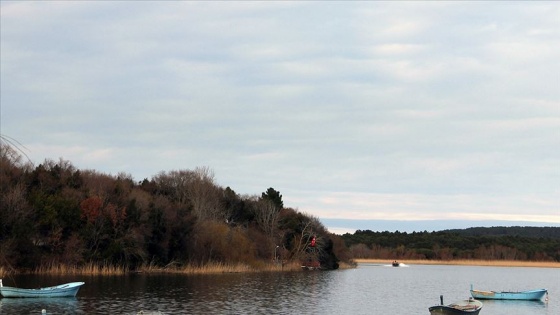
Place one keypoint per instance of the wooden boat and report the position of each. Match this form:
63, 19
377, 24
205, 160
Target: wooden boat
463, 307
63, 290
530, 295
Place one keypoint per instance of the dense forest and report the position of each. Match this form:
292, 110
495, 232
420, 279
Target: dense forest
522, 231
53, 213
496, 243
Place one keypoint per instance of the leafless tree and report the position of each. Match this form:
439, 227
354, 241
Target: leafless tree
266, 216
14, 208
175, 184
196, 189
205, 196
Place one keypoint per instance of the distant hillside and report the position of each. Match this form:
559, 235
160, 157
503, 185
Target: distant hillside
495, 243
521, 231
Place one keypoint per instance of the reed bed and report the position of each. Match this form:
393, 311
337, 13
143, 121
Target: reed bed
208, 268
86, 269
344, 265
217, 268
3, 271
468, 262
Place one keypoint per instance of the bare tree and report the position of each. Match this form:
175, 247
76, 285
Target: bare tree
205, 196
11, 146
196, 189
175, 184
266, 216
14, 208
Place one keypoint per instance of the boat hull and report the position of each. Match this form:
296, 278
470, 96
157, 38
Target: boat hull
445, 310
63, 290
465, 307
532, 295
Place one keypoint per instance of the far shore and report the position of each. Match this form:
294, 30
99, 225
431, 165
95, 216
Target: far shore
466, 262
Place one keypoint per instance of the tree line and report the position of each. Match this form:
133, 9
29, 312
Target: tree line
54, 213
524, 231
500, 243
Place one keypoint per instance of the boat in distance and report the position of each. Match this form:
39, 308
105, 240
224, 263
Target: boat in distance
462, 307
63, 290
529, 295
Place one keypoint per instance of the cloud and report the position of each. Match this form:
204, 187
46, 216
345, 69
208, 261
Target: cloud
413, 207
361, 110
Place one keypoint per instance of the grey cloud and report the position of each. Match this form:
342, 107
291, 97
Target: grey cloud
398, 98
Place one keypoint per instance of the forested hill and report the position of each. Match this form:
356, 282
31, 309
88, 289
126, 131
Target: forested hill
55, 214
499, 243
521, 231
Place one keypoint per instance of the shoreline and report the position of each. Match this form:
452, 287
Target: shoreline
466, 262
91, 269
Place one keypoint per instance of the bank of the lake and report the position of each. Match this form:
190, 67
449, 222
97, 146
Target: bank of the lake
189, 269
465, 262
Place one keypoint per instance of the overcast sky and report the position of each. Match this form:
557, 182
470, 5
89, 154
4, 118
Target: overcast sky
366, 111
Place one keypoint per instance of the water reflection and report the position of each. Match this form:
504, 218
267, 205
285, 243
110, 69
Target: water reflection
518, 305
365, 290
66, 305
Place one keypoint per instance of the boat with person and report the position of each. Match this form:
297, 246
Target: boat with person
463, 307
62, 290
529, 295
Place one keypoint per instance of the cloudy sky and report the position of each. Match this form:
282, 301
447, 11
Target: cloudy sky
368, 115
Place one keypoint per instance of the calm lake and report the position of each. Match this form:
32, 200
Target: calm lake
368, 289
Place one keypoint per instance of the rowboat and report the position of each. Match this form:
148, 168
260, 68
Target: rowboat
63, 290
530, 295
463, 307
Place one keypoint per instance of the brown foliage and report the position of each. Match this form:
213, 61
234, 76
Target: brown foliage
214, 241
91, 208
339, 248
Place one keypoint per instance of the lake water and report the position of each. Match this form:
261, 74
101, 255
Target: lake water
368, 289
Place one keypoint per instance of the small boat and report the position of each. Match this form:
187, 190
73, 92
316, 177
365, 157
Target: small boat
463, 307
63, 290
395, 263
530, 295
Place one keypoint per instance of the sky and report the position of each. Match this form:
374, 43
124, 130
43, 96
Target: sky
378, 115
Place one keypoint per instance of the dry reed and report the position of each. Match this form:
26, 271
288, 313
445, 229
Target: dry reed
87, 269
345, 265
208, 268
218, 267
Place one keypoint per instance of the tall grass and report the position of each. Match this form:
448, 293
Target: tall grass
347, 265
87, 269
207, 268
218, 267
3, 271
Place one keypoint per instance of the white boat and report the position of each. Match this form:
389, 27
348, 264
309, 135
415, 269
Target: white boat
63, 290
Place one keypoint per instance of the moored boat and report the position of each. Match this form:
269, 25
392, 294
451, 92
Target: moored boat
63, 290
463, 307
529, 295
